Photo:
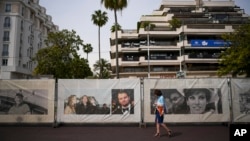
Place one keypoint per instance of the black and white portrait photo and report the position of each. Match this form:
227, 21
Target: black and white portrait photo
24, 102
245, 102
86, 102
122, 101
190, 100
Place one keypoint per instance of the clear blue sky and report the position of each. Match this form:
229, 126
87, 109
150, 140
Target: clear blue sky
76, 15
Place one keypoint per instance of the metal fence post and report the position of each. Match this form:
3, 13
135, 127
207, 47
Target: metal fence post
55, 123
230, 99
142, 123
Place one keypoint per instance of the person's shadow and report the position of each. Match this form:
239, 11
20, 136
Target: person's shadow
174, 134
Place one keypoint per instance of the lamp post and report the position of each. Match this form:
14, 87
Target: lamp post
181, 74
148, 51
182, 39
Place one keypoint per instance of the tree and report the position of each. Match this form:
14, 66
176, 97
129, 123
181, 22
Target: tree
235, 60
115, 5
146, 25
99, 18
118, 27
104, 66
87, 48
60, 57
175, 23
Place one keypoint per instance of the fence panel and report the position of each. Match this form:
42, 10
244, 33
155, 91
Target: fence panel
189, 100
99, 101
241, 100
27, 101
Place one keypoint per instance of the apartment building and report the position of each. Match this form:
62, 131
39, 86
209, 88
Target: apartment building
191, 50
24, 25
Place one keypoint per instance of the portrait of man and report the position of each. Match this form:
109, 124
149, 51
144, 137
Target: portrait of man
20, 107
123, 101
175, 101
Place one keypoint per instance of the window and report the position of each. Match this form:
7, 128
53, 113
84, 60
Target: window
4, 62
29, 52
21, 38
21, 25
8, 7
6, 36
23, 9
19, 63
5, 50
7, 22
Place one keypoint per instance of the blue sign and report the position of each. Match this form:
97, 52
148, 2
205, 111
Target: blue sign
209, 43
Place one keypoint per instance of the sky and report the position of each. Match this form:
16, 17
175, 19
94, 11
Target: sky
76, 15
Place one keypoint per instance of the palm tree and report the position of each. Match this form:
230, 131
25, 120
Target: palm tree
104, 66
87, 48
118, 27
115, 5
99, 18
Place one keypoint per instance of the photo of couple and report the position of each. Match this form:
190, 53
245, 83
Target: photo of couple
190, 101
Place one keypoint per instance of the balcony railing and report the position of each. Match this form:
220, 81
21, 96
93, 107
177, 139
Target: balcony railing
161, 57
5, 53
6, 25
151, 43
203, 68
6, 39
202, 55
153, 69
130, 58
208, 26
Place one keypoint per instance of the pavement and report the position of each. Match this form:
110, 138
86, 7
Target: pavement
113, 133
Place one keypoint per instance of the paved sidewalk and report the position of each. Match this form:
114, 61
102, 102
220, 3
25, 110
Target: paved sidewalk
113, 133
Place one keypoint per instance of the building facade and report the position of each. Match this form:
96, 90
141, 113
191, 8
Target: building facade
182, 39
24, 25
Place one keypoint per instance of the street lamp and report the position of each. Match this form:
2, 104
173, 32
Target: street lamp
182, 39
148, 51
181, 74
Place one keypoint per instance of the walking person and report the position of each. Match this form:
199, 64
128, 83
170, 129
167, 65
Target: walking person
159, 114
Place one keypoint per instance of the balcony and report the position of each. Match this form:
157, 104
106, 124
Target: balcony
205, 56
202, 68
130, 58
160, 60
6, 25
5, 53
145, 43
208, 26
161, 57
6, 39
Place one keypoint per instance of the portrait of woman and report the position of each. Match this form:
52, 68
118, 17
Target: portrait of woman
71, 105
198, 100
87, 105
83, 106
93, 109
